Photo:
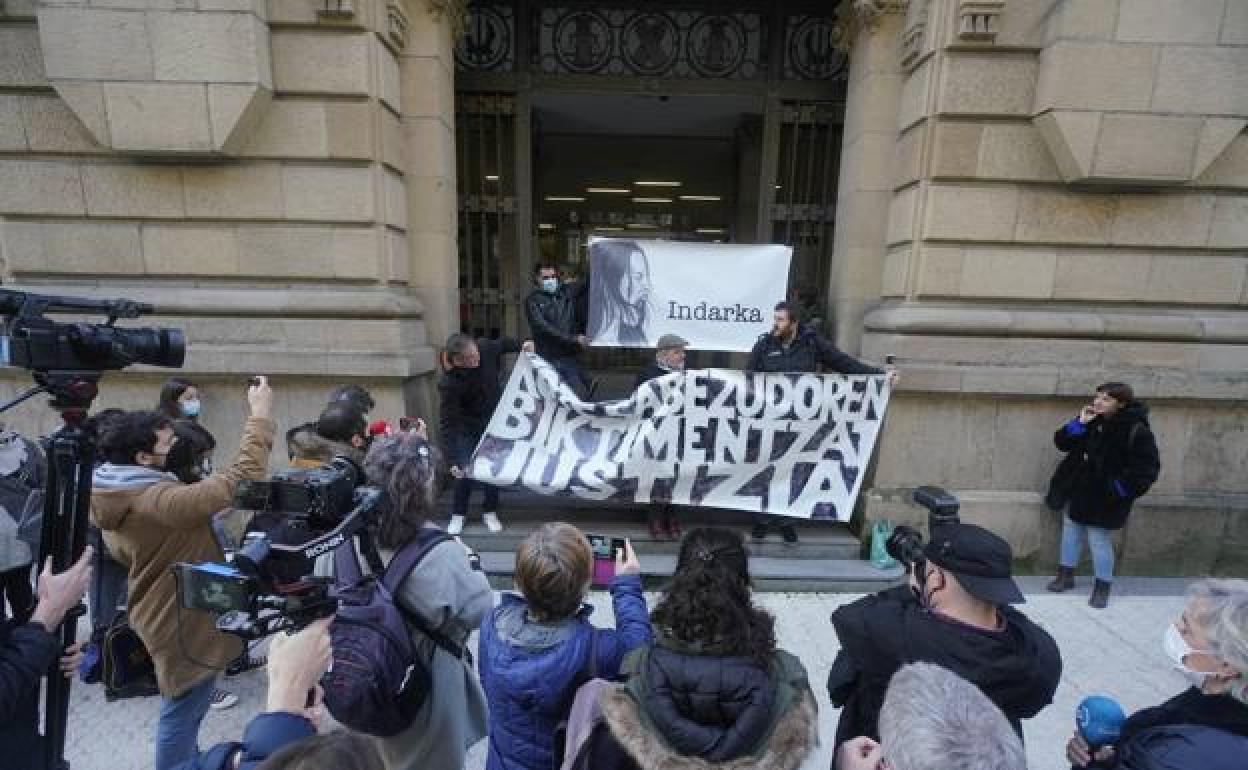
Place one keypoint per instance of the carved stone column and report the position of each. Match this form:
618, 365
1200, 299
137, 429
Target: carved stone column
427, 65
872, 31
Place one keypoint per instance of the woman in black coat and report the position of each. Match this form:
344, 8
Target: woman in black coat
1111, 460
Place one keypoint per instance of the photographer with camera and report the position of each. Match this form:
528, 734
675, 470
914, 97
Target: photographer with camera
296, 663
955, 613
27, 650
151, 521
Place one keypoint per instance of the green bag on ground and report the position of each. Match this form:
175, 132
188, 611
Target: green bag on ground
880, 531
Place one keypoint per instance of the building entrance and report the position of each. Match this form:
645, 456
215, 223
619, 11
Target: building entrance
691, 121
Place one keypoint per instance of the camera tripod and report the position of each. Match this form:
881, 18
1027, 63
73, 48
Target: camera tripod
66, 502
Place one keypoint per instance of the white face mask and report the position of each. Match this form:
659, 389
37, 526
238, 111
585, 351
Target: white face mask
1177, 649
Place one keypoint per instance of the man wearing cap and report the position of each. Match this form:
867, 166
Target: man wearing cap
955, 613
669, 356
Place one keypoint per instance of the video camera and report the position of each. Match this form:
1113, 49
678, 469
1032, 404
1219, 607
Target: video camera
66, 361
905, 544
34, 342
300, 515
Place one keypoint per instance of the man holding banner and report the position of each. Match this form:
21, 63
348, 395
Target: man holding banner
791, 346
551, 310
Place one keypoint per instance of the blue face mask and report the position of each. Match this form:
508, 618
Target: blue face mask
190, 408
550, 285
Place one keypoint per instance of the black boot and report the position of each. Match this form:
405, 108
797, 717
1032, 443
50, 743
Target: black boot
1064, 581
1100, 595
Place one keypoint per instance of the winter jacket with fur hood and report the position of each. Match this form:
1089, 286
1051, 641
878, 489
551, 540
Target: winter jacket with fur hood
150, 522
309, 449
686, 711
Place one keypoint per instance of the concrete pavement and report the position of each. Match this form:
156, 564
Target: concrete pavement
1116, 652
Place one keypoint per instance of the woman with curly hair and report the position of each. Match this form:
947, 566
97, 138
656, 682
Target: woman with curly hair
446, 592
713, 691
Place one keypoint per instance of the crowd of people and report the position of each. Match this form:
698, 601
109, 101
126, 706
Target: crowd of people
937, 673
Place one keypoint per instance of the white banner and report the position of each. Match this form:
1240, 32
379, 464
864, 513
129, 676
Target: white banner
717, 296
786, 443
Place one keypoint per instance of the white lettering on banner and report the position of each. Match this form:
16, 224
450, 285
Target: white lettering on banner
786, 443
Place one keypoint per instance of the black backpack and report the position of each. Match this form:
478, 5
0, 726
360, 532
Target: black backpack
127, 668
379, 682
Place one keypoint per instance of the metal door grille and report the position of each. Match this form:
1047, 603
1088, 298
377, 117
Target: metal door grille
804, 210
485, 155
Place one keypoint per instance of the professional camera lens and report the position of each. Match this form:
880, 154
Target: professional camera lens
905, 544
111, 347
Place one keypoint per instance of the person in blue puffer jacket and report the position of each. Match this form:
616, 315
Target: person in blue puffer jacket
537, 648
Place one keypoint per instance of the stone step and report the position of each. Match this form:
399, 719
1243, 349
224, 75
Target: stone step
522, 512
779, 575
818, 542
825, 559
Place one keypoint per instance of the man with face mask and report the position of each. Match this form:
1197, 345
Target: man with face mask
468, 392
955, 613
669, 356
151, 521
558, 324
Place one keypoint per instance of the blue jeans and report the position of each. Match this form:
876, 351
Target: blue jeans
1100, 541
177, 733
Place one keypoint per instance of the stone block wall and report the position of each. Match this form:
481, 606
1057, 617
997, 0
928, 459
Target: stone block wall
1068, 192
286, 240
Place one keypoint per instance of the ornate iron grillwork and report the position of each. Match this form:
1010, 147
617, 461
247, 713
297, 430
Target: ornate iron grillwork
489, 40
809, 52
616, 41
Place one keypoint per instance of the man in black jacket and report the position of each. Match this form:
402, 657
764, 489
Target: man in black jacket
791, 346
27, 651
669, 356
468, 392
558, 326
955, 613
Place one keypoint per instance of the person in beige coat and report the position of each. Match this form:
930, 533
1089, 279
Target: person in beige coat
150, 522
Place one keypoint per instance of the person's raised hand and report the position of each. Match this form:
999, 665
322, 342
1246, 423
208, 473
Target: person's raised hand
62, 591
260, 398
296, 663
626, 560
860, 753
1087, 414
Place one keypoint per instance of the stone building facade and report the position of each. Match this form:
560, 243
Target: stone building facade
1033, 196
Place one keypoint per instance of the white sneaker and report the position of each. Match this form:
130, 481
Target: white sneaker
456, 526
491, 522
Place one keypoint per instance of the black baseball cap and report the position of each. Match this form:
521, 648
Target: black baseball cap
979, 559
